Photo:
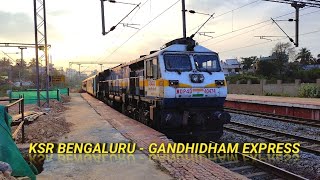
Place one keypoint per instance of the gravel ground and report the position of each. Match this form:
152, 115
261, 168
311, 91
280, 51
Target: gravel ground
238, 138
295, 129
38, 130
304, 164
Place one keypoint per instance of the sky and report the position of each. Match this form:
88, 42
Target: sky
75, 33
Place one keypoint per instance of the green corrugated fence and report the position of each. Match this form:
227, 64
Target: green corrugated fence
30, 95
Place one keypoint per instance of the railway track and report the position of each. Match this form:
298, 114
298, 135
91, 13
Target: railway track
306, 144
253, 168
307, 122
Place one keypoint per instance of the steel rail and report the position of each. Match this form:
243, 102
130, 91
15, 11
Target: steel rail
307, 122
306, 144
277, 171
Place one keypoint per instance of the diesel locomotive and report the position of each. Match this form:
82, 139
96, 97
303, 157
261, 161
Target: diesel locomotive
178, 90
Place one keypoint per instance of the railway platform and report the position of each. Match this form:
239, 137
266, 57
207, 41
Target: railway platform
183, 166
95, 122
304, 108
90, 127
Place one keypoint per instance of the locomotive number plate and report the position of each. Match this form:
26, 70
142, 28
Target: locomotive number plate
196, 92
184, 91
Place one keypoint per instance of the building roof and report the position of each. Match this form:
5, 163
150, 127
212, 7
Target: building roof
232, 62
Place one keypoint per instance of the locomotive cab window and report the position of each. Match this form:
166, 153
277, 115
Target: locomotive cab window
207, 63
177, 62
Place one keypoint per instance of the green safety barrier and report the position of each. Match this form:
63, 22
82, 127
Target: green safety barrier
30, 95
63, 91
9, 152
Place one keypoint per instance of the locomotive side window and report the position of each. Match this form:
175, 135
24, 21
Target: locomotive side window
177, 62
155, 69
149, 65
207, 63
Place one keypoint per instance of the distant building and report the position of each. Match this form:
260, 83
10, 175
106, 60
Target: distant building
231, 67
71, 72
268, 58
311, 66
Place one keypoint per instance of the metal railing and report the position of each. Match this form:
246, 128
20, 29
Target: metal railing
12, 103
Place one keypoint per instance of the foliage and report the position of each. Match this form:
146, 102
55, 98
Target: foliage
309, 91
318, 59
243, 78
248, 62
291, 72
281, 52
5, 62
309, 76
267, 68
305, 57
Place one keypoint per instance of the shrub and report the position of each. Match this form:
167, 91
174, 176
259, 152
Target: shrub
309, 91
309, 76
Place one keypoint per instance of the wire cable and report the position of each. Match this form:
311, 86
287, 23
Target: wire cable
118, 35
312, 32
246, 27
142, 28
228, 12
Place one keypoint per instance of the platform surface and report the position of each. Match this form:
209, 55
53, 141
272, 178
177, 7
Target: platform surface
309, 103
89, 126
182, 166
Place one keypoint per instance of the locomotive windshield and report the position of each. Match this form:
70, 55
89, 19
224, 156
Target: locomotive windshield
177, 62
207, 63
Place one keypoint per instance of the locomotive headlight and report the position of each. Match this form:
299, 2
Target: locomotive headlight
173, 82
219, 82
201, 78
197, 78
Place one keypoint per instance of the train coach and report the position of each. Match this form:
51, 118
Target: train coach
179, 90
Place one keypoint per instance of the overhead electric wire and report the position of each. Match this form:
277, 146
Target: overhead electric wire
246, 27
142, 28
312, 32
117, 36
114, 27
256, 28
239, 34
228, 12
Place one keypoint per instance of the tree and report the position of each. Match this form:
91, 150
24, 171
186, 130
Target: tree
305, 57
32, 63
292, 69
248, 62
5, 62
266, 68
318, 59
5, 67
281, 52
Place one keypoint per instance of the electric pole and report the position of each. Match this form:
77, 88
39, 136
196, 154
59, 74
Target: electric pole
184, 23
40, 28
21, 65
297, 7
46, 52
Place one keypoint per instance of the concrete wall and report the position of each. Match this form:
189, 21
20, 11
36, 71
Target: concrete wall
252, 89
263, 88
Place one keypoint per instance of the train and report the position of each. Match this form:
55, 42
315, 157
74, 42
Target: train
178, 90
